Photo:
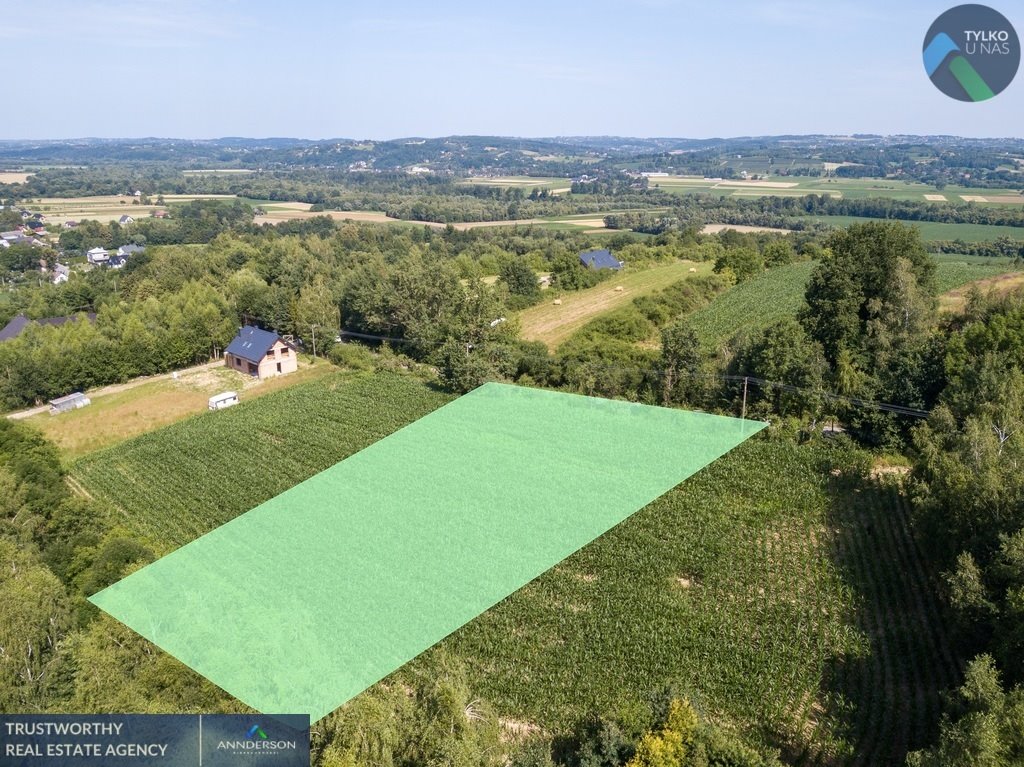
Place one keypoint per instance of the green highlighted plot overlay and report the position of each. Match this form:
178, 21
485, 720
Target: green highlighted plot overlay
305, 601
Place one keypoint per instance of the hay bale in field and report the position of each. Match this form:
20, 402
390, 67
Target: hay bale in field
618, 288
557, 302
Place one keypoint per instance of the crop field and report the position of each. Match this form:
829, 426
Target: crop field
524, 182
1005, 264
104, 208
952, 275
758, 302
779, 587
553, 323
935, 230
779, 293
798, 186
13, 177
171, 492
276, 212
470, 498
955, 298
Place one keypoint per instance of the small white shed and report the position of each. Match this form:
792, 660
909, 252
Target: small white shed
70, 402
223, 400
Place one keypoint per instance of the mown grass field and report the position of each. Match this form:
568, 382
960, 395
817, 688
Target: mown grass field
105, 208
553, 324
779, 588
129, 409
955, 299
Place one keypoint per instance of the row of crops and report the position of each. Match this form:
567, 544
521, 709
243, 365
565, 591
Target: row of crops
715, 587
180, 482
782, 600
774, 295
779, 293
954, 274
758, 587
893, 692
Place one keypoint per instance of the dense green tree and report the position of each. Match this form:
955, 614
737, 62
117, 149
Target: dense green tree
684, 377
425, 719
568, 273
870, 304
782, 353
317, 312
743, 262
519, 278
34, 617
462, 368
778, 253
876, 281
985, 727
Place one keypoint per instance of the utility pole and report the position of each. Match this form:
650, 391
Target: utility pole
744, 414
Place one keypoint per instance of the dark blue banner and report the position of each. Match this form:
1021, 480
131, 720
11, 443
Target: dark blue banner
168, 740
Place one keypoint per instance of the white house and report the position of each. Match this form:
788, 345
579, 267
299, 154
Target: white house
60, 273
125, 220
97, 256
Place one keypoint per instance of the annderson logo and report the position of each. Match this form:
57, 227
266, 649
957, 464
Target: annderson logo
971, 52
257, 742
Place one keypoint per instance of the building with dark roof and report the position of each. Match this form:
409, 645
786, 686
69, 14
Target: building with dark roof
130, 250
600, 259
260, 353
14, 328
19, 322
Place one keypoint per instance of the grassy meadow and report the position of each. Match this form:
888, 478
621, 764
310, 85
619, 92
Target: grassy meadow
554, 323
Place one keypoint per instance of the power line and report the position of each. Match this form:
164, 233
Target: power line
903, 410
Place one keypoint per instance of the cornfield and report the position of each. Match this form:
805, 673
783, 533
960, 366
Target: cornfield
779, 588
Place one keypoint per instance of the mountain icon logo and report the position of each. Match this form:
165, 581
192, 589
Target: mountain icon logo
971, 53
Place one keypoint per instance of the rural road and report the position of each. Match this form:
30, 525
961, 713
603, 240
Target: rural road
115, 388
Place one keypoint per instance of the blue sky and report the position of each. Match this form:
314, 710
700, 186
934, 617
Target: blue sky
192, 69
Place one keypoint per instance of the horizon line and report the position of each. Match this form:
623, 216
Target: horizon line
855, 136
